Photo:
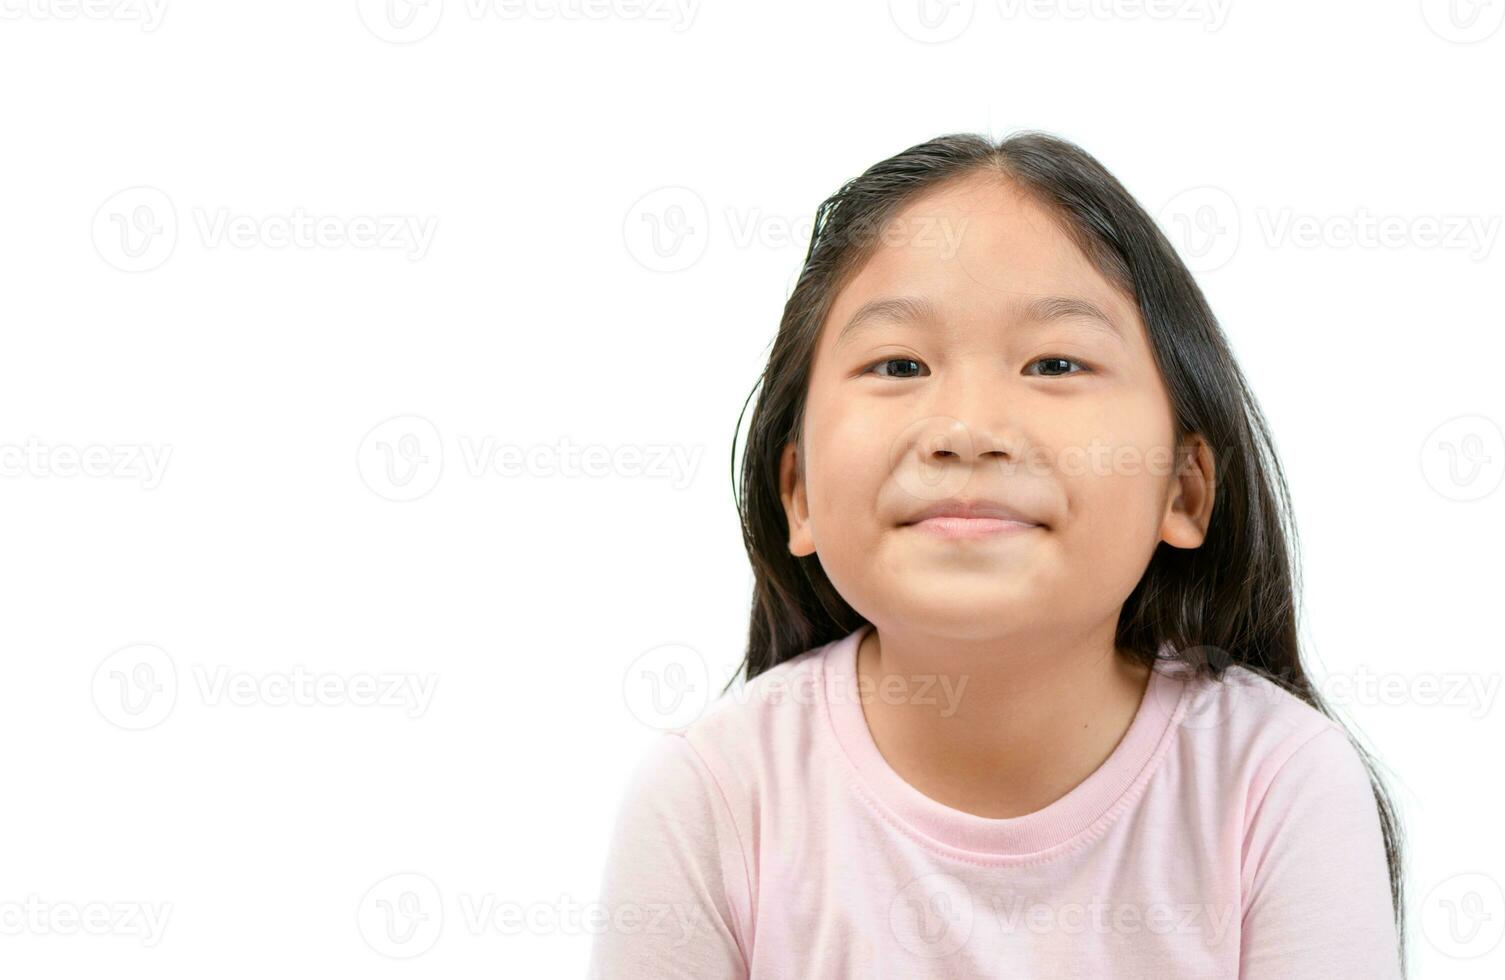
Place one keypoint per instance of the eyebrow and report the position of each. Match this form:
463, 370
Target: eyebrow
917, 310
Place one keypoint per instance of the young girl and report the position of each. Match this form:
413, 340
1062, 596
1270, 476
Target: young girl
1023, 690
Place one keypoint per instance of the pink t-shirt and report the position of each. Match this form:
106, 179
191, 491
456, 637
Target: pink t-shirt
1231, 833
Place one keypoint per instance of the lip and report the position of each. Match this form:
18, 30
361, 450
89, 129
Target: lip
970, 520
970, 527
972, 510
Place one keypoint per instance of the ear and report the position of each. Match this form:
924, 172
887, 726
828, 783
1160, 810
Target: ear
1188, 511
796, 504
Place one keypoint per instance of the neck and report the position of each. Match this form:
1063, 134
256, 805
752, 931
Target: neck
997, 727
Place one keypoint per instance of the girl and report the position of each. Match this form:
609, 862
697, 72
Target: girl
1023, 690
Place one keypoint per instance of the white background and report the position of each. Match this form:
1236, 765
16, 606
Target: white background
154, 309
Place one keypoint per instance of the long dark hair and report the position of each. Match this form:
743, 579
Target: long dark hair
1235, 595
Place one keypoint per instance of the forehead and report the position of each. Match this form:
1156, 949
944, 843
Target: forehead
979, 246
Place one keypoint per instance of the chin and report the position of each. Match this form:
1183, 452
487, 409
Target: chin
955, 612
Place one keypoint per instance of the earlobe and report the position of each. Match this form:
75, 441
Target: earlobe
796, 509
1189, 509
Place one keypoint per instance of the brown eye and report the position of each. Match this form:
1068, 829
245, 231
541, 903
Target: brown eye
907, 363
1058, 366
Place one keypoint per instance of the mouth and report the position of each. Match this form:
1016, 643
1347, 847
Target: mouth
972, 519
970, 528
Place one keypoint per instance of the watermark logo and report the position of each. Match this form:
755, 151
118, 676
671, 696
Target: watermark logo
401, 21
1211, 14
401, 916
1464, 916
1463, 21
136, 229
932, 21
136, 687
401, 458
1203, 223
1207, 226
1463, 459
668, 229
939, 21
667, 687
932, 916
406, 21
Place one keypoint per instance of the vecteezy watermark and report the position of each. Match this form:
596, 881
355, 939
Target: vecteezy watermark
1463, 459
1206, 225
495, 915
402, 459
136, 688
406, 21
1463, 21
938, 21
403, 916
146, 14
932, 916
932, 441
33, 916
940, 691
1211, 14
1464, 916
935, 915
122, 461
1471, 233
137, 230
1472, 692
1263, 691
669, 229
1207, 921
304, 688
667, 686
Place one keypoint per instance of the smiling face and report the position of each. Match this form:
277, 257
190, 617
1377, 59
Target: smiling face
979, 357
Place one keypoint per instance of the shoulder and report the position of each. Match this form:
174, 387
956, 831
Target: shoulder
1314, 878
1284, 768
1265, 758
1251, 721
760, 725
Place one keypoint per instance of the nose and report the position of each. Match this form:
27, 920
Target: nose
950, 437
970, 423
967, 434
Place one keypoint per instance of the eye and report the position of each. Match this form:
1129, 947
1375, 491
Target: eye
1055, 366
907, 363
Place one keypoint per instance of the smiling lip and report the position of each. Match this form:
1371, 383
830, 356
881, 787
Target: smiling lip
970, 527
971, 519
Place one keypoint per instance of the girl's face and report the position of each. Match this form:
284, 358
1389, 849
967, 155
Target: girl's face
978, 356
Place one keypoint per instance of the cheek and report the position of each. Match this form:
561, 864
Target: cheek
847, 449
1117, 500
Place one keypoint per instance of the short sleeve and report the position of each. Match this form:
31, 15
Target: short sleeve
1316, 884
673, 855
